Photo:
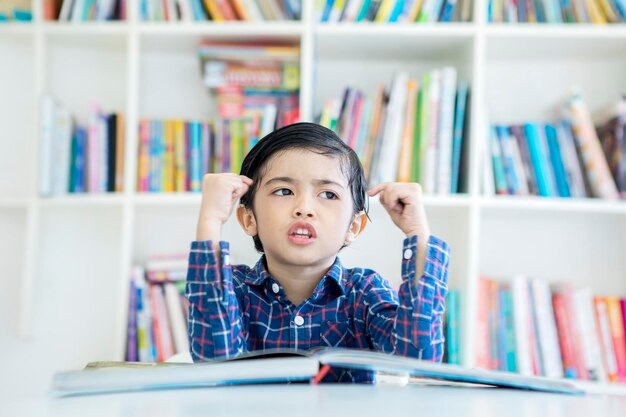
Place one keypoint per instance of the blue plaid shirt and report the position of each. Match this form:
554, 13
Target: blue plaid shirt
236, 309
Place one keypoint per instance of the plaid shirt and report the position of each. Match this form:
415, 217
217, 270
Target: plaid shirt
235, 308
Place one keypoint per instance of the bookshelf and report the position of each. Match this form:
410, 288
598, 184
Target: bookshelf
151, 70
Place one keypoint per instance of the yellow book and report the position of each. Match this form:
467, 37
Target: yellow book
179, 152
406, 149
384, 11
594, 12
236, 145
417, 6
607, 10
168, 156
214, 10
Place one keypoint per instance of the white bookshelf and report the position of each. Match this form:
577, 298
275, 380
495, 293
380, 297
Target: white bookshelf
65, 260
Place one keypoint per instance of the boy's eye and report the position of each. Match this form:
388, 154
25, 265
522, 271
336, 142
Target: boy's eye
329, 195
282, 191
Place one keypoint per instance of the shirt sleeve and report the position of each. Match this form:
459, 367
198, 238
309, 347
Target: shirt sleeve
215, 322
412, 324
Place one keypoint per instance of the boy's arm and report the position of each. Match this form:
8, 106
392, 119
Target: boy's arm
215, 322
412, 325
418, 322
216, 326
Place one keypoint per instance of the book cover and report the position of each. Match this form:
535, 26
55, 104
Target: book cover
283, 366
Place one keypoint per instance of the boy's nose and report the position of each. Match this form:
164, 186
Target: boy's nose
303, 212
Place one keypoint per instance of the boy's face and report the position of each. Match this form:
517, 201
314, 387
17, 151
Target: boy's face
303, 210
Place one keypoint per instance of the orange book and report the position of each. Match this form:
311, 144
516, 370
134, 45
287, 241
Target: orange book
240, 10
616, 322
406, 152
214, 10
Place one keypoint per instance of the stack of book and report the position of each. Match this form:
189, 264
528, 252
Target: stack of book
565, 159
394, 11
416, 131
554, 11
157, 314
84, 10
77, 159
220, 10
254, 84
526, 326
18, 10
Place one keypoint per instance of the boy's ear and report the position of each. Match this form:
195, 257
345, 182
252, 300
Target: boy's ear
356, 227
246, 220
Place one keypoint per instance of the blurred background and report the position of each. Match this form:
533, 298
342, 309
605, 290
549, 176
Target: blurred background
511, 115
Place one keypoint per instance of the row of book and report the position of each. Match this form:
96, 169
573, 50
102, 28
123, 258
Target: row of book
220, 10
555, 11
565, 159
394, 11
157, 310
416, 131
76, 159
527, 326
18, 10
175, 154
84, 10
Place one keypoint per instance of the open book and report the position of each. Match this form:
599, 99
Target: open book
277, 366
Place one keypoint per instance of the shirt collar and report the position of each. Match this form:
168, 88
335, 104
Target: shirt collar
260, 275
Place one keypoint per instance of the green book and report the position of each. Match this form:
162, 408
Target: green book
416, 162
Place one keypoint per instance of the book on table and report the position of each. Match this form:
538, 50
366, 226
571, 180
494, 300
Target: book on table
281, 366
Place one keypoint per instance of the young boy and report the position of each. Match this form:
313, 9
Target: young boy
303, 195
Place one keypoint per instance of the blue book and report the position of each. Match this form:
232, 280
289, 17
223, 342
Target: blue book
396, 11
198, 11
538, 159
195, 144
453, 329
328, 7
448, 10
507, 306
457, 138
560, 176
521, 11
501, 331
363, 12
496, 160
504, 138
78, 164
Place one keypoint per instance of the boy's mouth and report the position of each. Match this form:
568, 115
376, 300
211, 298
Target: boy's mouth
302, 233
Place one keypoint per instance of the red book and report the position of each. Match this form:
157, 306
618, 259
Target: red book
563, 327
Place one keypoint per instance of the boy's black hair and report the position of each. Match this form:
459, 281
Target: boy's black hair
307, 136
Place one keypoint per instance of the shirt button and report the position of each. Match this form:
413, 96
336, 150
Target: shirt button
299, 320
408, 253
275, 288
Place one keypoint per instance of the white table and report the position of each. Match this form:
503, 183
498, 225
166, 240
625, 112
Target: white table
322, 400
